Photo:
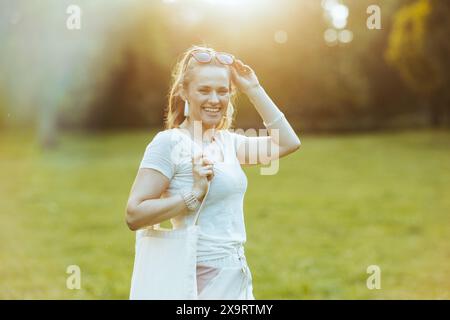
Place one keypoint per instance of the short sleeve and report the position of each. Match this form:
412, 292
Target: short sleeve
157, 155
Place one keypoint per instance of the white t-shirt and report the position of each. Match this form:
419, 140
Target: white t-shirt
221, 219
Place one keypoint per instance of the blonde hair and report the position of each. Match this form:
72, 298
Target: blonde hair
174, 112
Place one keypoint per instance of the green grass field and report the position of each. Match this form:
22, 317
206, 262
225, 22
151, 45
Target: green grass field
338, 205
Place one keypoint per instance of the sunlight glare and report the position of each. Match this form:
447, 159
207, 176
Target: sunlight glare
236, 4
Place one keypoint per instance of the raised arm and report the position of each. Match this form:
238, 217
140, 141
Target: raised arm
282, 139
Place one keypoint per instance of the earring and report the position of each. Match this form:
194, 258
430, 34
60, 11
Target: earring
186, 108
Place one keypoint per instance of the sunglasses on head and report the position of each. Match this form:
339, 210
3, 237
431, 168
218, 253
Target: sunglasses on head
206, 56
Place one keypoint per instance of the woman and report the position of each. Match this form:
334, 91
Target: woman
196, 148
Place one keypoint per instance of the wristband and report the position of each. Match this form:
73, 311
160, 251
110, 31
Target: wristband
190, 200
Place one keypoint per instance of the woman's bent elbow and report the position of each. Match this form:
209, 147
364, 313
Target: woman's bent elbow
296, 145
130, 221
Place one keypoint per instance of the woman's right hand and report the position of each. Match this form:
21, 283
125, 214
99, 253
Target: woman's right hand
203, 171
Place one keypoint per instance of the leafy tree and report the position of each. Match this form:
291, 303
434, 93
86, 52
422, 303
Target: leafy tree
417, 49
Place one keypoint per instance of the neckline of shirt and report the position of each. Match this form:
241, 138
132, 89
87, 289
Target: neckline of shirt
218, 140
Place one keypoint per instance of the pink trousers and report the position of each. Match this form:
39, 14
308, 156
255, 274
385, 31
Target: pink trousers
227, 278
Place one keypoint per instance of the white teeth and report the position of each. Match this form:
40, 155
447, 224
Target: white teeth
212, 109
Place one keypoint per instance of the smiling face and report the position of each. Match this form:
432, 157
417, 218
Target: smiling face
208, 93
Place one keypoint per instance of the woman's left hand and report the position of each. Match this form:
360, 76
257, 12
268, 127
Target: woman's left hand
243, 76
